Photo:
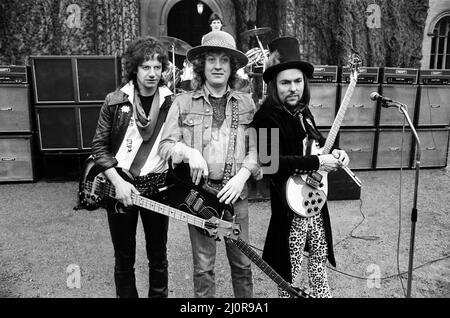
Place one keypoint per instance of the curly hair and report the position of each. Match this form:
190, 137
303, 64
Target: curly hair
143, 49
198, 67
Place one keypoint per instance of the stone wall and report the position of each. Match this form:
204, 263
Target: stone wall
65, 27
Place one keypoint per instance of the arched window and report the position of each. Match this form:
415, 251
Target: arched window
440, 45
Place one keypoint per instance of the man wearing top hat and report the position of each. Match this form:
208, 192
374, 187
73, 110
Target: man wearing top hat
209, 129
286, 109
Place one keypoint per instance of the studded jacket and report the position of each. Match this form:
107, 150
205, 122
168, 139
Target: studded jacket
114, 118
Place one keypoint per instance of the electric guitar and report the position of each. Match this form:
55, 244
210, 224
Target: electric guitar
181, 187
95, 189
200, 206
306, 194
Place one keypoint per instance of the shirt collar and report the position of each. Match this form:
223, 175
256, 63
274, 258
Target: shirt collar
128, 89
205, 93
208, 94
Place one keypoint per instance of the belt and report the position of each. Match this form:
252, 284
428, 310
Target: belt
216, 184
150, 182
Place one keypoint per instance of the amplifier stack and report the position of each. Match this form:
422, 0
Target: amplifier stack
16, 133
68, 92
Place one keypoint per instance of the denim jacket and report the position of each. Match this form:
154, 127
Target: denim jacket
189, 121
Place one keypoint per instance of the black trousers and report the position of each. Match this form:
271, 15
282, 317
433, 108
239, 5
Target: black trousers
123, 234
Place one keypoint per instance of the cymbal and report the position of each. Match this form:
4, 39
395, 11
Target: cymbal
180, 47
256, 31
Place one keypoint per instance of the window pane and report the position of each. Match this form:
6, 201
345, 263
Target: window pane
433, 45
448, 42
447, 62
432, 61
442, 27
439, 61
441, 45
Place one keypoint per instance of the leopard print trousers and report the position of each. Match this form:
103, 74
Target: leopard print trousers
311, 229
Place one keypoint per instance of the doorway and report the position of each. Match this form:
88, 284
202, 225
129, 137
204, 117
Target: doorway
185, 23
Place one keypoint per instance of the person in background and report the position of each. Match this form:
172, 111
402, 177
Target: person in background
215, 22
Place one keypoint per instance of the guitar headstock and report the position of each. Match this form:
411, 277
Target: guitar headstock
354, 64
219, 229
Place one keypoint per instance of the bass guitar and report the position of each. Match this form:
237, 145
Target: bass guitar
181, 188
306, 194
95, 189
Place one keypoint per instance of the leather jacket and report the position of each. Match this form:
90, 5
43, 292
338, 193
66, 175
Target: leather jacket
114, 118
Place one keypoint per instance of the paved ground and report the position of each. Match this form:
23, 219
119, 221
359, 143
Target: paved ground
43, 242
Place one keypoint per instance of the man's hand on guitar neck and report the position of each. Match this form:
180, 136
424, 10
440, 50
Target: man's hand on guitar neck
331, 162
342, 156
123, 188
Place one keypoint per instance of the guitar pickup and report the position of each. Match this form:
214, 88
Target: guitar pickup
314, 180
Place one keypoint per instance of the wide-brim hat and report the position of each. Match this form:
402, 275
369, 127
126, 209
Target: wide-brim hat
285, 54
218, 40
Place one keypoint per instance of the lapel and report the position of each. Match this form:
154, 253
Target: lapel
128, 89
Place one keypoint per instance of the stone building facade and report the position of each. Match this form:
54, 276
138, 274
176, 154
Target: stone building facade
439, 9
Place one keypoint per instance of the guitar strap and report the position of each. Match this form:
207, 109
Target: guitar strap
147, 145
232, 142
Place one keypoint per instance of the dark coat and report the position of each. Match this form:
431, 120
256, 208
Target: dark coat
291, 134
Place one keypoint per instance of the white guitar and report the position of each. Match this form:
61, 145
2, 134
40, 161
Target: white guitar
306, 194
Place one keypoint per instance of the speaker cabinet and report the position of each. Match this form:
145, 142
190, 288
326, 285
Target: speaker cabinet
66, 127
434, 146
323, 102
390, 153
16, 162
359, 145
405, 94
361, 111
14, 108
342, 187
88, 124
434, 105
62, 166
74, 79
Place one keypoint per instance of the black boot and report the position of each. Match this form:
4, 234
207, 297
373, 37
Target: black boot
159, 278
125, 284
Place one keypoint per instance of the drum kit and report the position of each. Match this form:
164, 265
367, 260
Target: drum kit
257, 56
176, 46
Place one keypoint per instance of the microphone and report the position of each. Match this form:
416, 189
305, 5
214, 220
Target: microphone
375, 96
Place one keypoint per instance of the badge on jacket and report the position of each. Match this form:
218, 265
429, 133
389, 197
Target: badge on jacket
125, 109
129, 144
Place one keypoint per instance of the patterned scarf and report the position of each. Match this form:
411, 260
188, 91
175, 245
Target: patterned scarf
145, 125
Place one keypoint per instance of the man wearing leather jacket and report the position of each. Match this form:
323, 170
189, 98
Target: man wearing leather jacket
127, 137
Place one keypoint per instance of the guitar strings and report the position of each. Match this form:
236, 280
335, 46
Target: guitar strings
150, 204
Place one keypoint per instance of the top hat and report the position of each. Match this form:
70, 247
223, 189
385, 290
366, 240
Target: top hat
285, 54
218, 40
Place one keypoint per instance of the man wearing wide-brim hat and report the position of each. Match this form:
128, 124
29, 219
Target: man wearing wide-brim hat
207, 128
286, 110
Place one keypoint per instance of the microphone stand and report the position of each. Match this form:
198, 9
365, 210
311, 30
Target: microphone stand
403, 109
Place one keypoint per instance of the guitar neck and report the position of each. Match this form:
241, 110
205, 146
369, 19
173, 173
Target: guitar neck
266, 268
160, 208
157, 207
339, 117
